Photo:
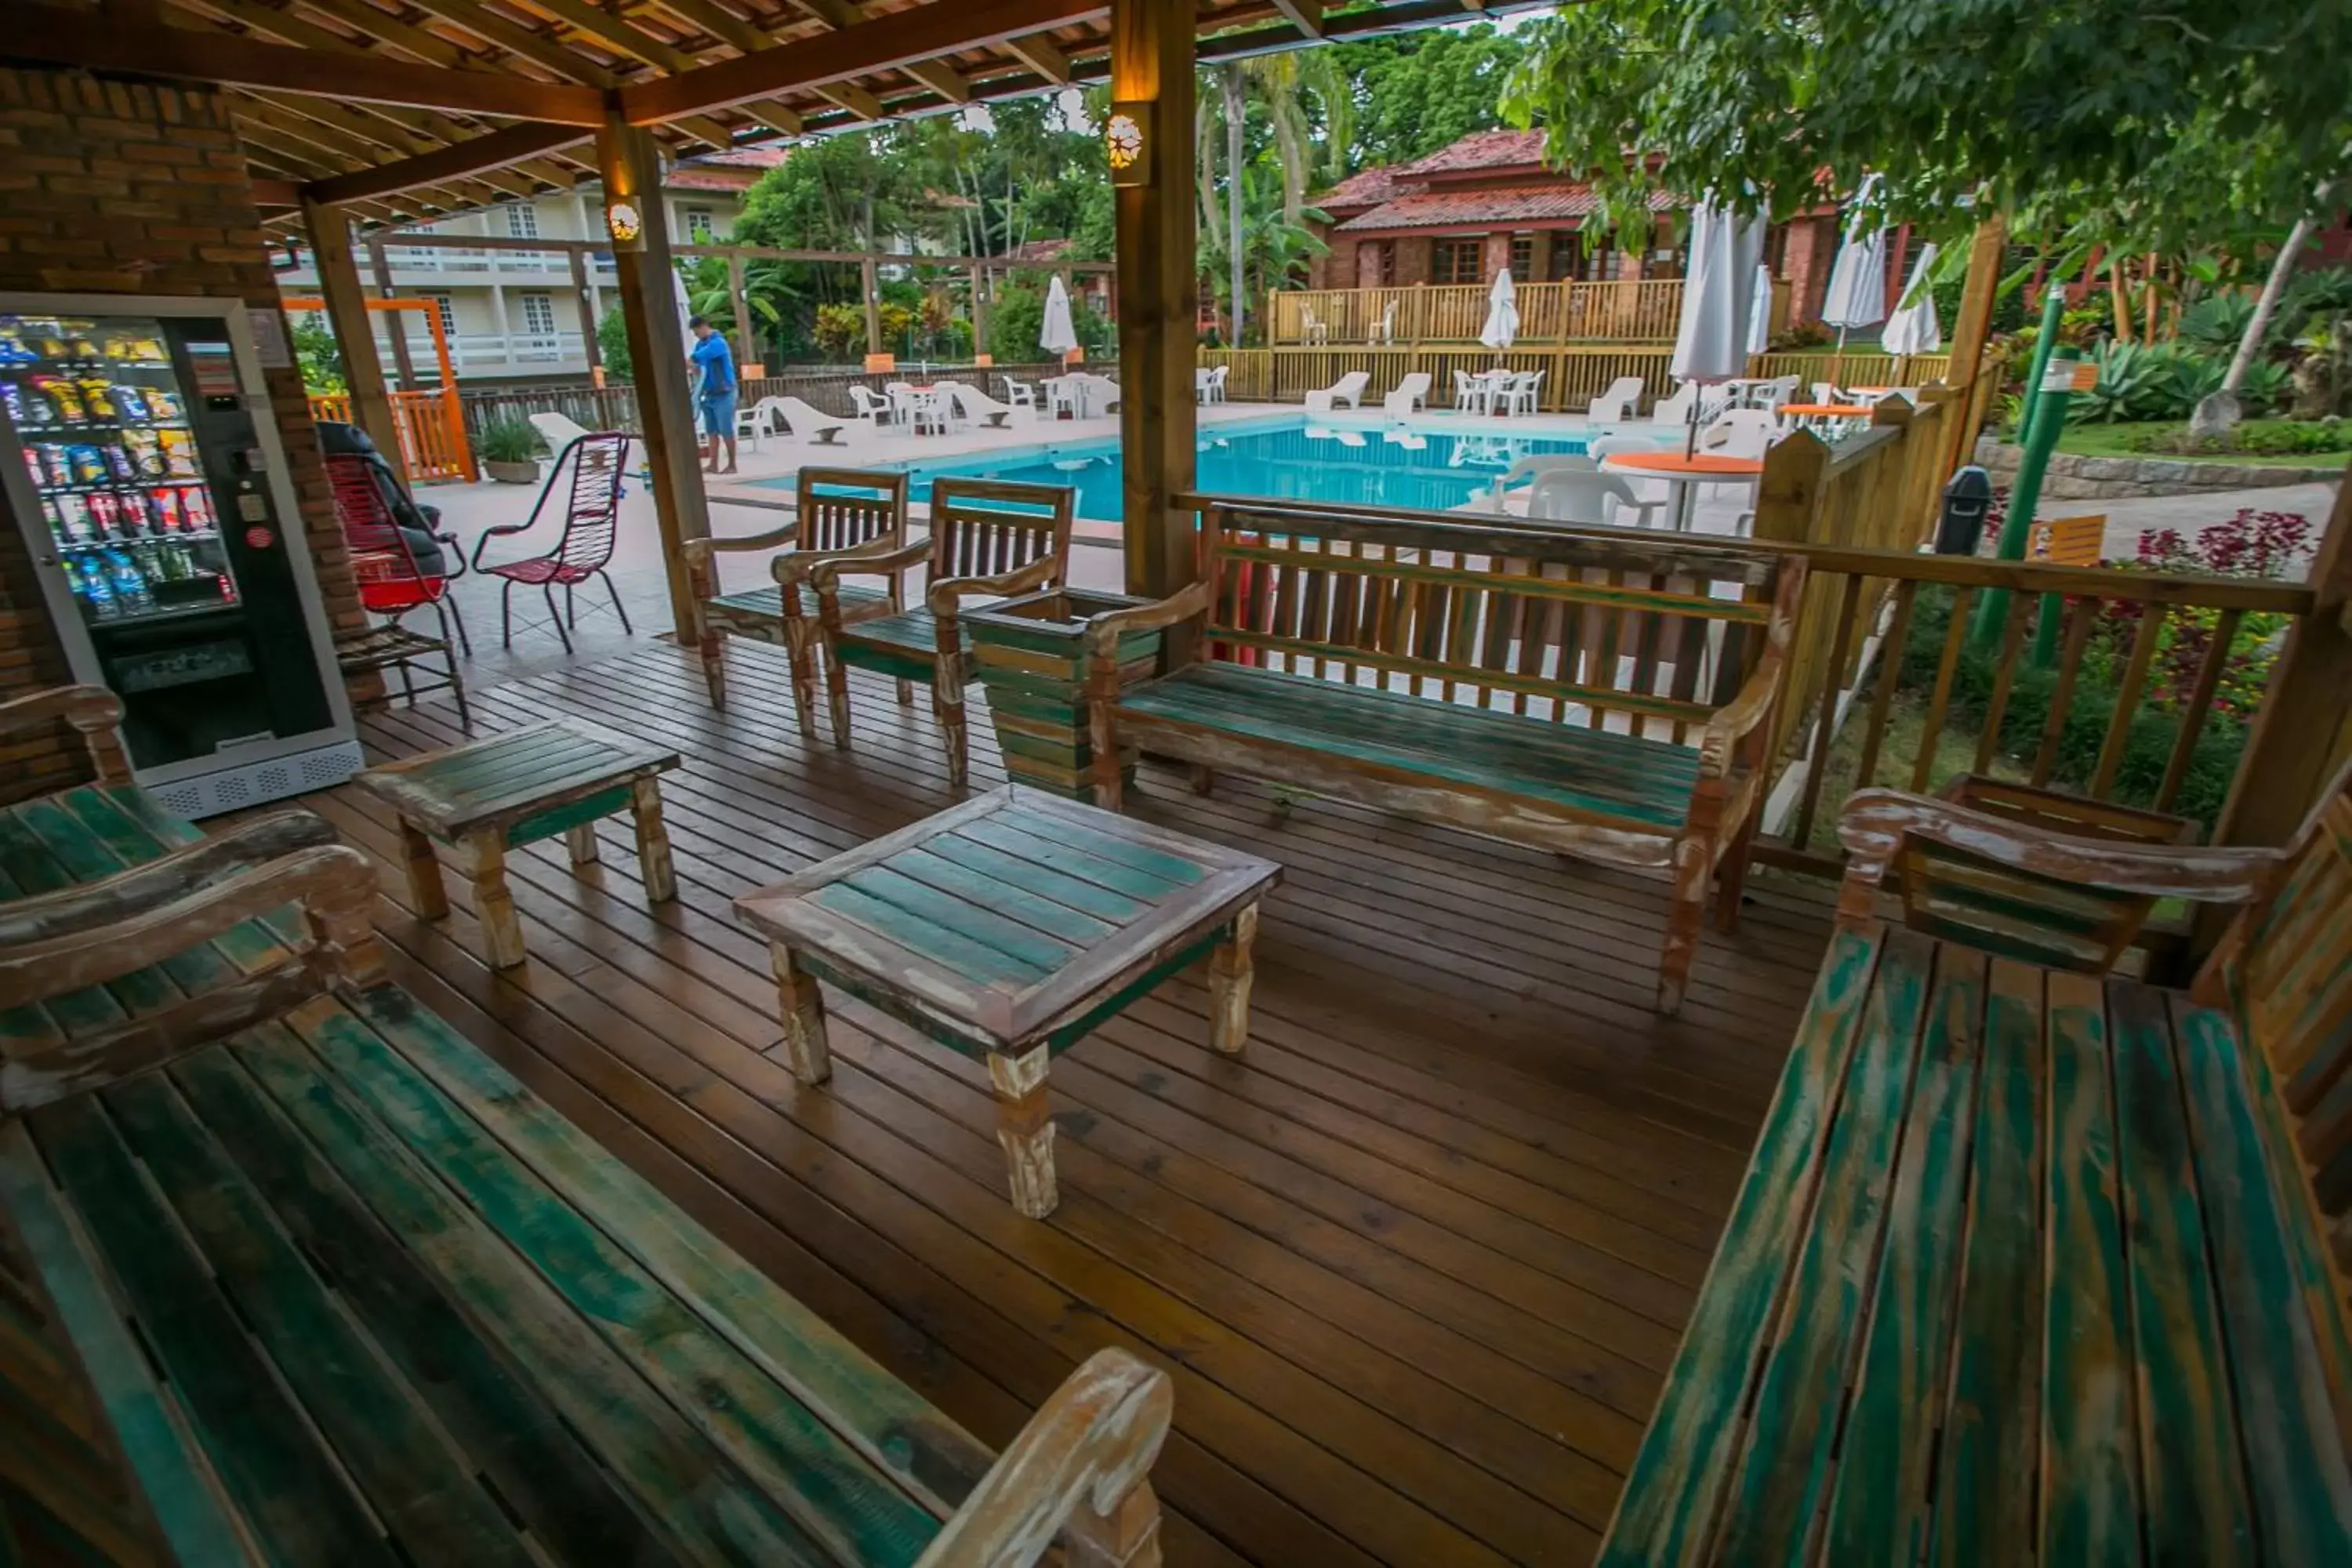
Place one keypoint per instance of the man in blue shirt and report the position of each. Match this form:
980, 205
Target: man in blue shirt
714, 391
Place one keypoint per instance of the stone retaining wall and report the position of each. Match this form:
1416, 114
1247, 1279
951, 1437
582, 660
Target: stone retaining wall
2074, 477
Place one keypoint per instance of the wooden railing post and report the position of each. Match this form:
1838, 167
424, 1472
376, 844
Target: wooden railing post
2304, 730
1151, 66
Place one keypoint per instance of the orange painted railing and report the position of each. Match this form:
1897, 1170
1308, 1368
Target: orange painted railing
433, 444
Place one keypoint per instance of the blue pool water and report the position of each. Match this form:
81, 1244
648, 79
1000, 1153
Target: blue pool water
1289, 458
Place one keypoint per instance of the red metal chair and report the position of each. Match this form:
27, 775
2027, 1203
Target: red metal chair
588, 473
392, 582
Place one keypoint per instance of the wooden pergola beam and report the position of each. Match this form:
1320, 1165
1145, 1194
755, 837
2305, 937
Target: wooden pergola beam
512, 145
886, 43
1306, 16
86, 42
1041, 55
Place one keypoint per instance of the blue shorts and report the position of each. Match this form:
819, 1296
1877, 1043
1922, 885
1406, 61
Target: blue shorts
719, 414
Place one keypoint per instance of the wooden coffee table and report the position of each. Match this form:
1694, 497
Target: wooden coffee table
1007, 928
514, 789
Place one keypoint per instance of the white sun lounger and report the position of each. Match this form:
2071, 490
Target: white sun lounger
809, 423
976, 403
1348, 391
1411, 395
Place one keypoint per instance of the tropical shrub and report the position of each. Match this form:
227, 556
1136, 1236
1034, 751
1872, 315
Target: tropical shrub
2218, 322
2268, 437
612, 345
507, 440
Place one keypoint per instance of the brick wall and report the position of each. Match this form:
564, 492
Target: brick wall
1805, 263
98, 176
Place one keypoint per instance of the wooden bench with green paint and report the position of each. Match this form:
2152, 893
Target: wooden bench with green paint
336, 1288
1598, 692
2033, 1265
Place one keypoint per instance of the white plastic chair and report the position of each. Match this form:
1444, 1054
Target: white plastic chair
1018, 393
1345, 392
1384, 330
1466, 393
1061, 395
1566, 495
1526, 389
1535, 468
871, 405
1311, 330
756, 423
1411, 395
1217, 380
1740, 433
1605, 446
1202, 376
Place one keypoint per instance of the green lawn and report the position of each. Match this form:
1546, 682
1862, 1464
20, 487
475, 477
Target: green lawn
2114, 441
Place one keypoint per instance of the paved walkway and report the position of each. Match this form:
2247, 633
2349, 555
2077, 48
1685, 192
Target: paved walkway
2191, 515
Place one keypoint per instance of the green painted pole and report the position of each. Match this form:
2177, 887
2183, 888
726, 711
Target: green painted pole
2053, 310
2045, 422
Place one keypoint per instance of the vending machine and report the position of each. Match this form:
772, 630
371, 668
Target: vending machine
145, 469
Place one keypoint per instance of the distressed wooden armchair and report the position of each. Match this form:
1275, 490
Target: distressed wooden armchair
988, 540
83, 920
836, 509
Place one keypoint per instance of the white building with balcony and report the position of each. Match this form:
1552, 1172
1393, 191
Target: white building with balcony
511, 314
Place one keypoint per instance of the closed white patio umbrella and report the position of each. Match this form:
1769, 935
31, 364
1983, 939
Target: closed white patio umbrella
1914, 329
1058, 337
1718, 299
1502, 327
1760, 313
1856, 296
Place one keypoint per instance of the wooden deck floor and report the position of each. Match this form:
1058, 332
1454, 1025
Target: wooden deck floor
1417, 1260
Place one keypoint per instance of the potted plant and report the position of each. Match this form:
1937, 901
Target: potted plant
509, 450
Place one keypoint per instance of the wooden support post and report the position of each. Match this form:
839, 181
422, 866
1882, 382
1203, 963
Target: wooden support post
630, 161
980, 314
2305, 730
1151, 65
347, 314
581, 298
402, 363
745, 348
1972, 328
870, 283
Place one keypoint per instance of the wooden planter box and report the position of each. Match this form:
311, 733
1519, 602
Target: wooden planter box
1030, 655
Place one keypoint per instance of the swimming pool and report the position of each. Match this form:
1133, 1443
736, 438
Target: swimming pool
1287, 457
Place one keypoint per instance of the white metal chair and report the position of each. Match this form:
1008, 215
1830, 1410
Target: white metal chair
1345, 392
1411, 395
871, 406
1018, 393
1568, 495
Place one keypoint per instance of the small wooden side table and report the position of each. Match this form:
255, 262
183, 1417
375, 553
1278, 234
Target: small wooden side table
514, 789
1007, 928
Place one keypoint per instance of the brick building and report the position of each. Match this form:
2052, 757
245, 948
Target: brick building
137, 188
1487, 202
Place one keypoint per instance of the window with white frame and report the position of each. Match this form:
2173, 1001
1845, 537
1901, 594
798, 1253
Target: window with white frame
522, 221
449, 315
698, 225
538, 314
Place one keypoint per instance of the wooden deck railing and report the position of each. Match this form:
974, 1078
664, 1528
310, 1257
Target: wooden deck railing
1634, 310
433, 439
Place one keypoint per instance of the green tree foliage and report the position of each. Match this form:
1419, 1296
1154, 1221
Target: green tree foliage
316, 352
1016, 319
2133, 123
612, 345
1414, 93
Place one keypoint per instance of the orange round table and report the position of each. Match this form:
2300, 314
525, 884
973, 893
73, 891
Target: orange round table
1684, 472
1826, 410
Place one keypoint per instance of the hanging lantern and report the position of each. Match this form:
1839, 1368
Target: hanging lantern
1124, 145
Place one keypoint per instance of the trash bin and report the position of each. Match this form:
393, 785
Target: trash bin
1968, 501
